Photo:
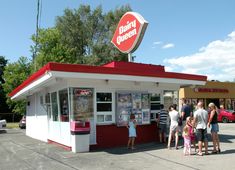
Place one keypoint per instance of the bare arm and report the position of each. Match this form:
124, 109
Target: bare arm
211, 117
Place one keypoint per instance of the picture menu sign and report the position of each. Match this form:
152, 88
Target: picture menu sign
136, 103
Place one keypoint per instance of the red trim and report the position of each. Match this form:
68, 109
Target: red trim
109, 136
68, 148
117, 68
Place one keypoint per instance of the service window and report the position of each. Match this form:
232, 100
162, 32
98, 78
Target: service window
170, 97
155, 102
104, 107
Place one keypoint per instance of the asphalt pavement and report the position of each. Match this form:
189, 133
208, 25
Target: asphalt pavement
19, 151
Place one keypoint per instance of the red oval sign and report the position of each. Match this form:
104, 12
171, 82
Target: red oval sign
129, 32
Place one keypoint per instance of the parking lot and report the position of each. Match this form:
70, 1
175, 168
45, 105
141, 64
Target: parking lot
21, 152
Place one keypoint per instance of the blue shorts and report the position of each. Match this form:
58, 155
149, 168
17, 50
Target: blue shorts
214, 127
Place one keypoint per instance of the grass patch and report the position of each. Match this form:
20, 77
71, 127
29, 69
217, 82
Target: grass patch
12, 125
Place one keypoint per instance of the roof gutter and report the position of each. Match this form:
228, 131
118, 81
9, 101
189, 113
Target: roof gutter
33, 85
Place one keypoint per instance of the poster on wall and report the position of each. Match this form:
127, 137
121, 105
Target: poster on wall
145, 101
124, 108
145, 116
136, 103
82, 103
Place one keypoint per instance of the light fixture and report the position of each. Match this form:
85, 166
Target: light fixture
106, 81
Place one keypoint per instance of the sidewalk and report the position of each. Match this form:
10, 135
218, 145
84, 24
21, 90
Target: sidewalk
21, 152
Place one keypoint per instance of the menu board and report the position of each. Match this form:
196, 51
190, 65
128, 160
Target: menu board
82, 103
136, 103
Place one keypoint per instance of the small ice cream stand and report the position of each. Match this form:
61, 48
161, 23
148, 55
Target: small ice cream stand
84, 107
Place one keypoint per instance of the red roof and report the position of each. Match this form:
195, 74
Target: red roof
117, 68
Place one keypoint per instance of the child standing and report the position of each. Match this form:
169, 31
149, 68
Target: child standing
132, 132
187, 140
191, 132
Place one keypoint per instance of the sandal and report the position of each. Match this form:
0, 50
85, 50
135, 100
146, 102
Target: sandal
199, 154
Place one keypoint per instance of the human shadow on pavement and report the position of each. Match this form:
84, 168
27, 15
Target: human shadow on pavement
139, 148
226, 138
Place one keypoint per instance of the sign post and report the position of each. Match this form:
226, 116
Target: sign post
129, 33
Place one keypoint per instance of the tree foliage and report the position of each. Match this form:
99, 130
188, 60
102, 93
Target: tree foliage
81, 36
3, 105
14, 74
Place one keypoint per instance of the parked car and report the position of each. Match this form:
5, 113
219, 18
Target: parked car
22, 123
226, 116
3, 124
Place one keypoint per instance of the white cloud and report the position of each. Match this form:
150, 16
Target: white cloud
169, 45
157, 42
216, 60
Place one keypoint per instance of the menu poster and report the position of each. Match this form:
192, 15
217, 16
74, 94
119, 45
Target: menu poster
136, 100
136, 103
124, 108
145, 101
145, 116
83, 103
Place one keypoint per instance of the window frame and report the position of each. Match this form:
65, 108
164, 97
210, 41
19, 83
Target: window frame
105, 113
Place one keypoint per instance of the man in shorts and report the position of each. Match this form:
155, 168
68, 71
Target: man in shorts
200, 122
162, 124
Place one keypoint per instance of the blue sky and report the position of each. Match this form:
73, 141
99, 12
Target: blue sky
187, 36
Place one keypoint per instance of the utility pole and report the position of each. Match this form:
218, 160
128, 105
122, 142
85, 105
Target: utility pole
36, 40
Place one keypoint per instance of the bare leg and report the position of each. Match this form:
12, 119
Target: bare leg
217, 141
169, 140
200, 147
213, 135
176, 139
160, 137
206, 147
132, 143
129, 143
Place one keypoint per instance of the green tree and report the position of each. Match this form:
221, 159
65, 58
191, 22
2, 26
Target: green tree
14, 74
3, 105
50, 49
81, 36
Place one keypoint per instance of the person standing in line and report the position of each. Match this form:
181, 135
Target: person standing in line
174, 129
186, 111
132, 131
162, 124
200, 122
213, 122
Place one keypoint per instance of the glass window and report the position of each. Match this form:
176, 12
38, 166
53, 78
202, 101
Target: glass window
100, 118
104, 106
155, 101
64, 107
48, 105
54, 106
104, 97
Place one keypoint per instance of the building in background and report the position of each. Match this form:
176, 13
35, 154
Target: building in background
220, 93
